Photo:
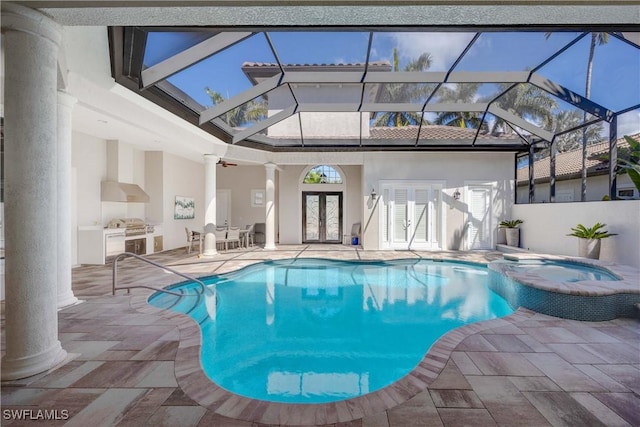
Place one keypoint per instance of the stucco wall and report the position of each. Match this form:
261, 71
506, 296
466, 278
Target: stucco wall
546, 226
181, 177
455, 171
241, 180
597, 187
89, 159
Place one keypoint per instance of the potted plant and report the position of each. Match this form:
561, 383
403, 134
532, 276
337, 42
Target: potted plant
589, 239
512, 231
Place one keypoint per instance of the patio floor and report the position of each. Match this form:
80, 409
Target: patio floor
130, 364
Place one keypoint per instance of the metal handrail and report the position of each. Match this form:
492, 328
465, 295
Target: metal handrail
128, 288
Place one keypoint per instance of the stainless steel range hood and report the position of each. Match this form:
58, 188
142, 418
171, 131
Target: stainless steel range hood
113, 191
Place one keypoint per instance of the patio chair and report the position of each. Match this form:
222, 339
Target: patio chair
221, 238
250, 234
192, 236
233, 236
259, 232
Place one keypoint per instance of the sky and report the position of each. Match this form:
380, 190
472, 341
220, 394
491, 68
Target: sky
616, 69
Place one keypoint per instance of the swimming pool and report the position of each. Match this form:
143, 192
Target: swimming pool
315, 331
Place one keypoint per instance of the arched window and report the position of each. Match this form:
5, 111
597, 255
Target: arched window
322, 174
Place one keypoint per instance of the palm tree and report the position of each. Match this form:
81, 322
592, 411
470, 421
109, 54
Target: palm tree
597, 39
465, 93
401, 92
527, 101
571, 141
252, 111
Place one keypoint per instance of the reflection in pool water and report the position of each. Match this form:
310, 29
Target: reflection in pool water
311, 331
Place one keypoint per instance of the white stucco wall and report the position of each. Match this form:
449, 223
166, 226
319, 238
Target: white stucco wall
181, 177
597, 188
153, 185
89, 158
456, 171
241, 180
314, 124
546, 226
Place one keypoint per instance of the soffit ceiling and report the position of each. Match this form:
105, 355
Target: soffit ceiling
284, 89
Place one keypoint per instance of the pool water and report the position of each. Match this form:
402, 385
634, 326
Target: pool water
313, 331
559, 271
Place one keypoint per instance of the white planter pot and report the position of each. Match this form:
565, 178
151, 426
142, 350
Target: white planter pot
589, 248
513, 236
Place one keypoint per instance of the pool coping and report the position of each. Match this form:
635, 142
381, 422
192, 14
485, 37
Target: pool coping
192, 379
628, 283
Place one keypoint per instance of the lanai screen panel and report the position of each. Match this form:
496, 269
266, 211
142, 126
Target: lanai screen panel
500, 86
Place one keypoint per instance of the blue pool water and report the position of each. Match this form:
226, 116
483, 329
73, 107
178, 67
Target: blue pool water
312, 331
559, 271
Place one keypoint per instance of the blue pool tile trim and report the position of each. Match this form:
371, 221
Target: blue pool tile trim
568, 306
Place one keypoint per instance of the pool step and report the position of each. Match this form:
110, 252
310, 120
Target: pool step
524, 256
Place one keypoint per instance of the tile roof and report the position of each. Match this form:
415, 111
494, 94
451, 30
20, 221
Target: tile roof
569, 164
428, 133
437, 132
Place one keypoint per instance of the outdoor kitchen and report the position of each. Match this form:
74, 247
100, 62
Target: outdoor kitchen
100, 244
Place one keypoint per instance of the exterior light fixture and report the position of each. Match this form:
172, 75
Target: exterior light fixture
456, 195
374, 195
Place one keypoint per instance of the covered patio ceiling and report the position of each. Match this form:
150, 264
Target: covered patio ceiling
291, 89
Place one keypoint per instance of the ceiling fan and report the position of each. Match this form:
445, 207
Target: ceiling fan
225, 163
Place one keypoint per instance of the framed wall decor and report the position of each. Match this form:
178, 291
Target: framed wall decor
257, 198
185, 208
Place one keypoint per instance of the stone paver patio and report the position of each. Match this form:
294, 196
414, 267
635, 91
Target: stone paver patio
131, 364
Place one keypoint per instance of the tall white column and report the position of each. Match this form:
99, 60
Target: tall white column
65, 109
31, 42
210, 161
270, 217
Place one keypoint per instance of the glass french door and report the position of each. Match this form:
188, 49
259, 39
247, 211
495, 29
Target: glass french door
479, 236
411, 217
321, 217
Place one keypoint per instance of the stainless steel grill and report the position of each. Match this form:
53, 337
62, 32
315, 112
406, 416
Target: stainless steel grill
132, 226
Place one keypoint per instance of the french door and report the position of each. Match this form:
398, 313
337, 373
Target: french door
480, 235
411, 216
321, 217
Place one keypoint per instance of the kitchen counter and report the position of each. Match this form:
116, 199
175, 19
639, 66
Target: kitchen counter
97, 244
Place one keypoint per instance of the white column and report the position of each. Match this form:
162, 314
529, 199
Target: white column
65, 109
210, 161
270, 217
31, 42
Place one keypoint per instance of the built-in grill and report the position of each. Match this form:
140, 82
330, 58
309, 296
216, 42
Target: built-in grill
132, 226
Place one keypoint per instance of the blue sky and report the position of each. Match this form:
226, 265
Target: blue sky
616, 70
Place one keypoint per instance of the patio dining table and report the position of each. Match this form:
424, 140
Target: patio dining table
244, 238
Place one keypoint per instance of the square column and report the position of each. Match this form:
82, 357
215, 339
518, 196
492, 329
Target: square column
270, 215
210, 162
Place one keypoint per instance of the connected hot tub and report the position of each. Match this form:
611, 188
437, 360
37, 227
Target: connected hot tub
571, 288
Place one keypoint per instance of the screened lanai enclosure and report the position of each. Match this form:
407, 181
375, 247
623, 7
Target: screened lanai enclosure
540, 93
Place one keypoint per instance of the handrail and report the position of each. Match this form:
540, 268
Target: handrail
155, 264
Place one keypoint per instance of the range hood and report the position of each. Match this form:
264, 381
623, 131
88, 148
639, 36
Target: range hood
113, 191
